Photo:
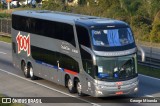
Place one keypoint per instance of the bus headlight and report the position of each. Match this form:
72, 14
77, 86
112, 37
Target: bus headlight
135, 89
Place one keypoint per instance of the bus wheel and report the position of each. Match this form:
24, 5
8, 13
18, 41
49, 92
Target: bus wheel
70, 86
25, 70
79, 88
31, 72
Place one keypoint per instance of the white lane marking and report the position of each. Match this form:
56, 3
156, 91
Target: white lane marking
3, 53
149, 96
4, 42
150, 77
94, 104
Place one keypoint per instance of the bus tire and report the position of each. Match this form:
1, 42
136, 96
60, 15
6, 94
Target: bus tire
79, 88
31, 72
25, 69
70, 86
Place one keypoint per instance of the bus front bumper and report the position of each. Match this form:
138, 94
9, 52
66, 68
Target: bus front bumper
102, 90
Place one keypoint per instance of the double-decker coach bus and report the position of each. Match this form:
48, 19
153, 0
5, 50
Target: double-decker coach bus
87, 54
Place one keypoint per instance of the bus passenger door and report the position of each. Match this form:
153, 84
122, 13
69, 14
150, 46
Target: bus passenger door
56, 71
59, 73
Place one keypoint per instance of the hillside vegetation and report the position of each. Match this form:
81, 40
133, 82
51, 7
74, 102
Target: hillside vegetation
142, 15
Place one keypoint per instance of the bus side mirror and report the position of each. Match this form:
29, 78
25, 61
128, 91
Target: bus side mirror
142, 53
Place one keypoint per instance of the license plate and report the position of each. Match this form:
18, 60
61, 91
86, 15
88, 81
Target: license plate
119, 93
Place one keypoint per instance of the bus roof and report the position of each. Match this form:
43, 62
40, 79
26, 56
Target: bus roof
70, 18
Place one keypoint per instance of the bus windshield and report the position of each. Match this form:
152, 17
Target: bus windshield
112, 37
117, 68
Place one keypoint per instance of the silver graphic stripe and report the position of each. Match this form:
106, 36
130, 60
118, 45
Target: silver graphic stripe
117, 53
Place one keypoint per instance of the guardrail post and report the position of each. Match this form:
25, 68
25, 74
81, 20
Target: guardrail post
7, 26
151, 56
1, 24
142, 53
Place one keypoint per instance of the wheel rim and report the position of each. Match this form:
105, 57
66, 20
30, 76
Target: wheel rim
25, 70
70, 84
79, 88
31, 72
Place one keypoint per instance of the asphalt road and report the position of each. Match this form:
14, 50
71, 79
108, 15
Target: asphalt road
13, 84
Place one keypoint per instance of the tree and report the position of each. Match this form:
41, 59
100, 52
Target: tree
155, 33
140, 14
155, 7
38, 1
82, 2
55, 5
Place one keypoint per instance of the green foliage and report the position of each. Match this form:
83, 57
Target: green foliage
38, 1
155, 33
82, 2
149, 71
5, 15
140, 14
155, 7
1, 5
55, 5
5, 39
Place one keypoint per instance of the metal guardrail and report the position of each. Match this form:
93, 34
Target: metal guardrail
5, 27
150, 62
4, 34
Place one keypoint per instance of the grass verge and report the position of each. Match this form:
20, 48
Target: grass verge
5, 39
149, 71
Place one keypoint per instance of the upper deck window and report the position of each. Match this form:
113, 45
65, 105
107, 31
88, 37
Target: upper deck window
83, 36
46, 28
112, 37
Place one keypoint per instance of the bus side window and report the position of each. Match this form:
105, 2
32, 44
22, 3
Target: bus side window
88, 66
87, 62
47, 28
83, 39
83, 36
69, 63
69, 34
19, 23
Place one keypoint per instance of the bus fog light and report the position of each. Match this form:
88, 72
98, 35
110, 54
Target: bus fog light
99, 92
100, 86
135, 89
